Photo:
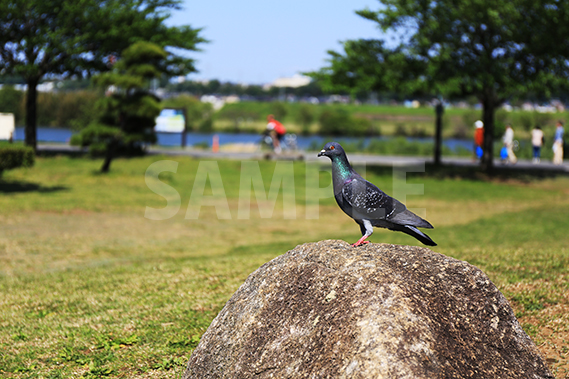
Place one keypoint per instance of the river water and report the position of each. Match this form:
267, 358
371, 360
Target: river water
59, 135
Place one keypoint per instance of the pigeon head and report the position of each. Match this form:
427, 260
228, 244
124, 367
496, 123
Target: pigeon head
331, 149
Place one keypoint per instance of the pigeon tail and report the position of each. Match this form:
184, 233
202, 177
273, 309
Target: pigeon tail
414, 232
409, 218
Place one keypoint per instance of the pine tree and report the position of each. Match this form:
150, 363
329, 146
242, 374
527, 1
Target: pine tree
128, 112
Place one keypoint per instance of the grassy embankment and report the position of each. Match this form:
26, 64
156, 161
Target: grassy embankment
90, 287
398, 121
389, 120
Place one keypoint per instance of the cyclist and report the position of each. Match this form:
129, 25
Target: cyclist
277, 131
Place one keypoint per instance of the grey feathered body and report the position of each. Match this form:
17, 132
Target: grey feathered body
362, 200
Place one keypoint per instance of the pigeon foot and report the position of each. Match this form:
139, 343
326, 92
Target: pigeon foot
359, 243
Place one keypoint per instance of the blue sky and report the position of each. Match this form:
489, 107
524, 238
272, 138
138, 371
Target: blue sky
258, 41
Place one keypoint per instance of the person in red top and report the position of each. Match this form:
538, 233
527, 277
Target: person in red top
276, 131
478, 138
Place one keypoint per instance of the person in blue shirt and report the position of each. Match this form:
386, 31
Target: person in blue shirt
558, 144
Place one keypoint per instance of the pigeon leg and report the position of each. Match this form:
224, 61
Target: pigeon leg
367, 230
361, 241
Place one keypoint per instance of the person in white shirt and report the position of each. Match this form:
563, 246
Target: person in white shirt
537, 142
508, 140
558, 143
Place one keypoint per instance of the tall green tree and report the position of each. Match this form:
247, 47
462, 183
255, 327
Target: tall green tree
492, 50
127, 116
10, 101
64, 38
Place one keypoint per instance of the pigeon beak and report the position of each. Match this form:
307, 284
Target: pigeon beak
321, 153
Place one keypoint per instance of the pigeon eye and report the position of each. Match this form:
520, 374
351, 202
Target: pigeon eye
332, 147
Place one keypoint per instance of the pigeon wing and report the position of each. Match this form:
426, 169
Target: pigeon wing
369, 202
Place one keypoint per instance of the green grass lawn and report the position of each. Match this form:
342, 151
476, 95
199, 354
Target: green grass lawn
89, 287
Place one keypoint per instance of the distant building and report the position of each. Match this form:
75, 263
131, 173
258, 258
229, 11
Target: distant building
292, 82
216, 101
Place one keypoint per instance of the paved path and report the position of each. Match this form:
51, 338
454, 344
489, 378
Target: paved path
311, 156
368, 159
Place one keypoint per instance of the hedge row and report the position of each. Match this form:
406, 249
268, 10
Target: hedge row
16, 156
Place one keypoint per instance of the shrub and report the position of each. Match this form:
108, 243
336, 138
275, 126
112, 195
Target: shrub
417, 132
469, 117
403, 146
334, 122
243, 110
304, 117
206, 125
16, 156
362, 127
77, 109
97, 137
542, 119
198, 114
201, 145
74, 109
339, 122
400, 130
525, 120
460, 131
279, 110
501, 119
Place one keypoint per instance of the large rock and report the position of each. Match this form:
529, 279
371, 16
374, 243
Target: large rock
327, 310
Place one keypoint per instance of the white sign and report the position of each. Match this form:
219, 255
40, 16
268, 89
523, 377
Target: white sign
7, 126
170, 121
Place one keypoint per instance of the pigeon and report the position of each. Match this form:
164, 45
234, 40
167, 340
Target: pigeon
368, 205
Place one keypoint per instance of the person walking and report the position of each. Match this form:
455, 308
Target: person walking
478, 139
508, 140
537, 140
558, 144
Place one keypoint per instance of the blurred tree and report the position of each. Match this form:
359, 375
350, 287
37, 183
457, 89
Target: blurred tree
279, 110
491, 50
199, 115
304, 117
128, 115
67, 38
312, 89
336, 121
254, 91
213, 86
10, 100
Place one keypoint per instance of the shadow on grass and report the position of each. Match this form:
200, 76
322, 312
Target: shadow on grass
19, 187
62, 151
